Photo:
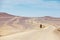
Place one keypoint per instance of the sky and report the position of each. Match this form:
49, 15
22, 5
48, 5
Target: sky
31, 8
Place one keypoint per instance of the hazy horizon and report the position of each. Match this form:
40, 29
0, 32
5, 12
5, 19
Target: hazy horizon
31, 8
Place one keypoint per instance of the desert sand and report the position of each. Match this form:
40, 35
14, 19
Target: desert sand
35, 34
28, 28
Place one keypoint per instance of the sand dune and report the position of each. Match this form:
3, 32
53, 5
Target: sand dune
42, 34
28, 28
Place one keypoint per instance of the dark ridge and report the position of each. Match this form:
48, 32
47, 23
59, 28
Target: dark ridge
3, 14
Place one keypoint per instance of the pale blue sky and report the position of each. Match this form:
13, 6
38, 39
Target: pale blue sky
31, 8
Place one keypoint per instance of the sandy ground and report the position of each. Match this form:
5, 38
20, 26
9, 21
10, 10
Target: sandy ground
42, 34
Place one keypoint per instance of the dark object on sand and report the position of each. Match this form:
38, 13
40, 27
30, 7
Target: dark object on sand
40, 25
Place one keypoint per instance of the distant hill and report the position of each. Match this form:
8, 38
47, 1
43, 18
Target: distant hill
10, 23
